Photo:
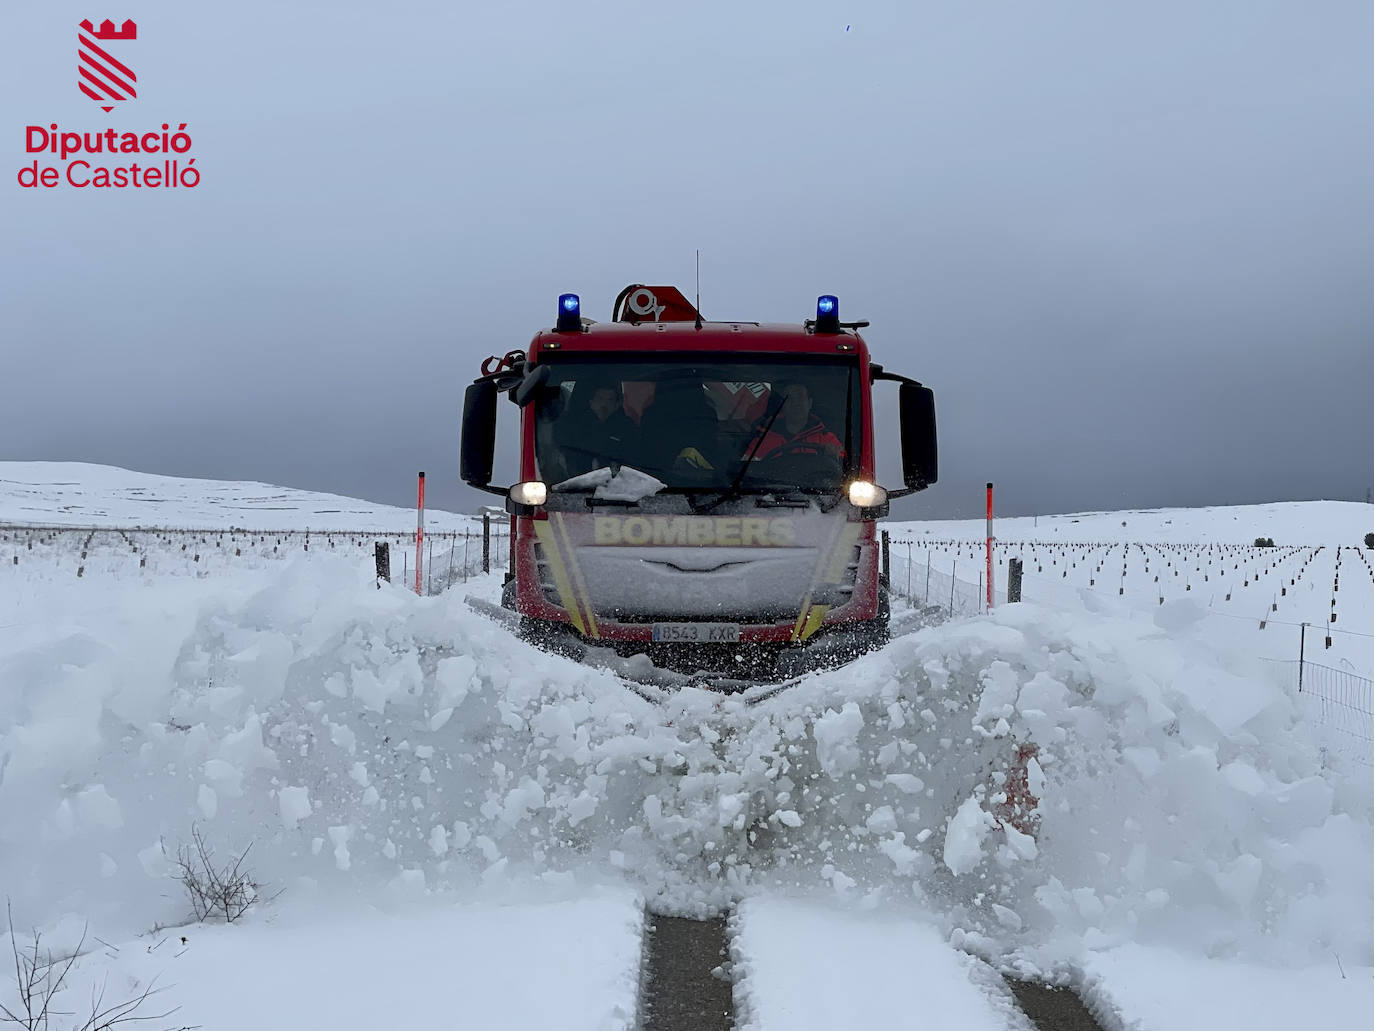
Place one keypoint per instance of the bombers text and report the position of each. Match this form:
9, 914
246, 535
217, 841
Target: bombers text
696, 531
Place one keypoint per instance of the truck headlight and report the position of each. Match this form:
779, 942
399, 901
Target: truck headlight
531, 492
863, 494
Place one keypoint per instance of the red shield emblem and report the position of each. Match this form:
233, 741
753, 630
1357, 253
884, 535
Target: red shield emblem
100, 75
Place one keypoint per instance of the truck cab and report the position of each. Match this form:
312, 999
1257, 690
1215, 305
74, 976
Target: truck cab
699, 492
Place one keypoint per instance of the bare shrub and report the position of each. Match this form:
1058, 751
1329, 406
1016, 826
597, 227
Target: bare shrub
223, 893
40, 976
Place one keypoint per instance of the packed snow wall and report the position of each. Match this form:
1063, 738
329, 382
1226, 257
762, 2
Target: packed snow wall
368, 741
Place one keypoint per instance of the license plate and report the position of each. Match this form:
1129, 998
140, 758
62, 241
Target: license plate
697, 633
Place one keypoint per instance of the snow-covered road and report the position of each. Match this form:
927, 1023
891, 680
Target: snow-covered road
804, 966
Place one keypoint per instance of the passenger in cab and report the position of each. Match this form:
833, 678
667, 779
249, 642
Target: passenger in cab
680, 428
595, 431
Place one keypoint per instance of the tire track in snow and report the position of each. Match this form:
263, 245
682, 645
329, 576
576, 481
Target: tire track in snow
1052, 1009
679, 988
682, 988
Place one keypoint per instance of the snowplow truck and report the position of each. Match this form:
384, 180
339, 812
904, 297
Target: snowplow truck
703, 493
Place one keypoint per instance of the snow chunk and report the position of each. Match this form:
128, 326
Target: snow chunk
1244, 778
294, 805
226, 777
1022, 845
244, 748
836, 736
1240, 879
997, 702
460, 836
907, 783
1227, 700
454, 677
207, 801
339, 836
98, 808
1008, 918
1177, 616
968, 827
153, 859
882, 820
342, 735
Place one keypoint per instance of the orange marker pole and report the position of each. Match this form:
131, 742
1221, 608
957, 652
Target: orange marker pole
989, 578
419, 532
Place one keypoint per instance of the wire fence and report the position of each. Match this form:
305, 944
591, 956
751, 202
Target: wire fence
448, 557
917, 584
1339, 702
460, 557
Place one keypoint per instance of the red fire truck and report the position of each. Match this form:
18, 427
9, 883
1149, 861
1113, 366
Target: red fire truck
700, 492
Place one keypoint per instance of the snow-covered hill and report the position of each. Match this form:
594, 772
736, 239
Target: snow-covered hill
78, 494
1287, 522
406, 755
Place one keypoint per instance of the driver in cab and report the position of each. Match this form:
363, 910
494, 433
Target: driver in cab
794, 430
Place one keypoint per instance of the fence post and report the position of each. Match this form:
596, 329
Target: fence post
383, 555
887, 561
419, 534
1014, 568
989, 547
486, 542
954, 568
1302, 653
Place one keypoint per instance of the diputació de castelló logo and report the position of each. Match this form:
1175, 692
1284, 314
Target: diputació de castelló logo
96, 158
102, 76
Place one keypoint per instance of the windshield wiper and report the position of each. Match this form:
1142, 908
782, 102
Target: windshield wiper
735, 485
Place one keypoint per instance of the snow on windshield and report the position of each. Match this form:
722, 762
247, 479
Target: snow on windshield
624, 485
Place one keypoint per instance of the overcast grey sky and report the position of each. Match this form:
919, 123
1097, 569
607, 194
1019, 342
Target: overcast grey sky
1131, 249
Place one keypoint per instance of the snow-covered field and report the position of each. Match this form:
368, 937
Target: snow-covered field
425, 791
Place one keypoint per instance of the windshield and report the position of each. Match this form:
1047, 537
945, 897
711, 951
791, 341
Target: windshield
692, 423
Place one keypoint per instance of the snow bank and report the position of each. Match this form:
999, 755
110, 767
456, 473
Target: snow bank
1127, 982
370, 741
570, 964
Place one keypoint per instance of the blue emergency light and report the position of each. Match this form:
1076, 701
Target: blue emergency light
827, 314
569, 313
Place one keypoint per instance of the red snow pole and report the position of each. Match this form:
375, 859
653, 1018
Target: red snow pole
989, 578
419, 532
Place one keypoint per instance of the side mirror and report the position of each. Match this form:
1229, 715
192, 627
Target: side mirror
526, 388
478, 449
920, 452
